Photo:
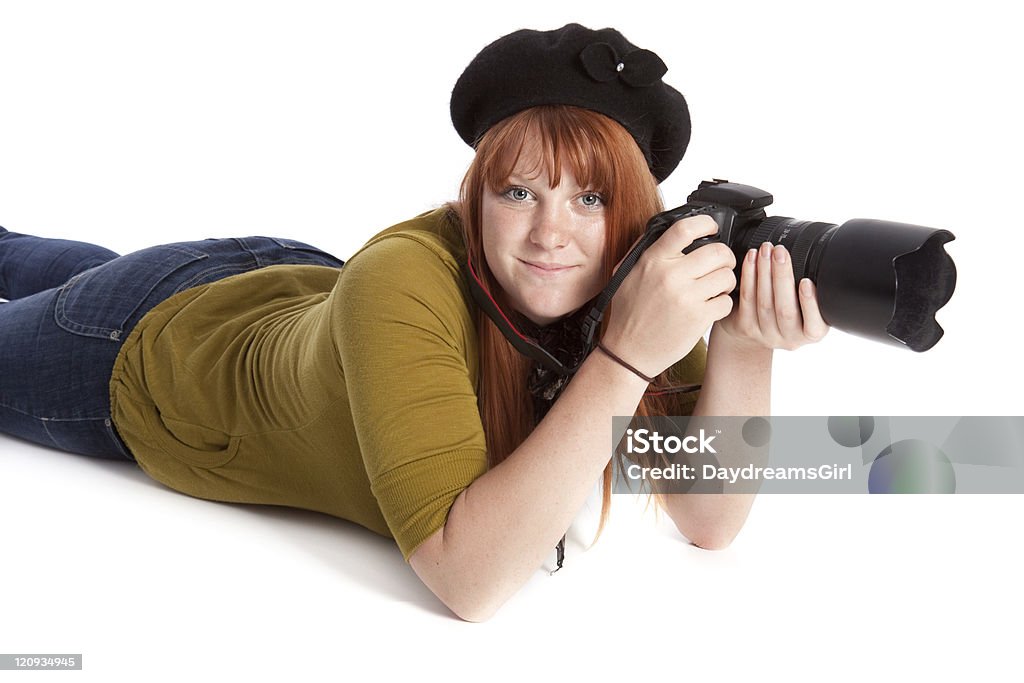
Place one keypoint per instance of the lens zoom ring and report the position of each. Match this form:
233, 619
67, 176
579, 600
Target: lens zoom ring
763, 232
801, 250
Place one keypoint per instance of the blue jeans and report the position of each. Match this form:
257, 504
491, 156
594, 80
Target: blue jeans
72, 304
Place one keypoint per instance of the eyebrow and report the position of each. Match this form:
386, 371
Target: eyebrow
520, 179
514, 178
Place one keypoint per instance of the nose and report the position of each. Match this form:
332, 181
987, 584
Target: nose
550, 227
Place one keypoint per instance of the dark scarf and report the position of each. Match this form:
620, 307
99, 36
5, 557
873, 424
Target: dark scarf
564, 340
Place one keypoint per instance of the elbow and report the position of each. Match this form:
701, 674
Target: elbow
712, 542
711, 538
712, 527
469, 605
466, 597
475, 614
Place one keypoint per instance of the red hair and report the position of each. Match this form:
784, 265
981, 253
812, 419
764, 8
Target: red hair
604, 158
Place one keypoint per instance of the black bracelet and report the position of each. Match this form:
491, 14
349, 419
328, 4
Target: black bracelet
624, 364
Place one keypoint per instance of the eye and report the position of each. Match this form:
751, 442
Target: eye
592, 199
518, 194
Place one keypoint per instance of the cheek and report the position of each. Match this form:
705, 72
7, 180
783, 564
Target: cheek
492, 248
595, 249
496, 250
593, 243
490, 223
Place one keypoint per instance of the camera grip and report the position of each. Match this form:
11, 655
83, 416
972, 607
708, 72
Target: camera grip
723, 217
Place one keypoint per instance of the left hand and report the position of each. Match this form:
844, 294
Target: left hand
768, 315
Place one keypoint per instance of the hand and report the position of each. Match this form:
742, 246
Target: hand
768, 316
669, 299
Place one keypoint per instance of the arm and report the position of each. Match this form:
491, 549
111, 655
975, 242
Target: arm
737, 381
472, 535
503, 525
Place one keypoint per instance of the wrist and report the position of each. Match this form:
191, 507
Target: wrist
725, 341
617, 369
618, 359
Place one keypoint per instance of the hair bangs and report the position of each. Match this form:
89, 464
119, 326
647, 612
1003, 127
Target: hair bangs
556, 137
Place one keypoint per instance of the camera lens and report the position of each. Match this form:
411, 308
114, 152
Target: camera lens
878, 279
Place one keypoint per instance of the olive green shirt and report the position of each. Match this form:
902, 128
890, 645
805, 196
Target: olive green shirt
352, 392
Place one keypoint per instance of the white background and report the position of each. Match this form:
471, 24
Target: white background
130, 124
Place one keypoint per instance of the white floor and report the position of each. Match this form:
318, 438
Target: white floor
99, 560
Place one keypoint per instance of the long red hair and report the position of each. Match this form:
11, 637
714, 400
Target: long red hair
603, 157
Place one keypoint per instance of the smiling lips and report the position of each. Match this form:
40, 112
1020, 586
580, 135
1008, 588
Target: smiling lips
546, 269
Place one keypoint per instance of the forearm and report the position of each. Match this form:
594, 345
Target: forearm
736, 383
501, 528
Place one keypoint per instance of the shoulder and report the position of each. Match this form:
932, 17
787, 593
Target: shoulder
409, 274
437, 232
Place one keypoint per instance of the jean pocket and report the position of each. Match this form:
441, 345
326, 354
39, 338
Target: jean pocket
101, 301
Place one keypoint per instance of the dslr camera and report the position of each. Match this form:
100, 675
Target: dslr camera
877, 279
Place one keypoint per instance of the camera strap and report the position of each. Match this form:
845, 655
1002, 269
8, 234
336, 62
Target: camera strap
655, 227
567, 359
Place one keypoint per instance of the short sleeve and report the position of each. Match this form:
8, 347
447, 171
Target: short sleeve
408, 349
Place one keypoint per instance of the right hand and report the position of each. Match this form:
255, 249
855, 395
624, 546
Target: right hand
670, 299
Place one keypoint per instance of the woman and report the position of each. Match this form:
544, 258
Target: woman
253, 370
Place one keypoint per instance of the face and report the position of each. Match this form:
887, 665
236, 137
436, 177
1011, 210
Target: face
543, 245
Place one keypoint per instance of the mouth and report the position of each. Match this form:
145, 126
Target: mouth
546, 269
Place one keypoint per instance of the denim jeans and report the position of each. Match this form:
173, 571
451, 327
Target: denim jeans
72, 304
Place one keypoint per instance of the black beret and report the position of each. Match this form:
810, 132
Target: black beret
575, 65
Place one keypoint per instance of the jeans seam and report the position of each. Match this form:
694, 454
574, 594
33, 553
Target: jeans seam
191, 282
20, 411
48, 434
240, 241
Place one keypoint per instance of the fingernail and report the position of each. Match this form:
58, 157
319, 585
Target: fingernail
780, 254
751, 255
766, 249
805, 287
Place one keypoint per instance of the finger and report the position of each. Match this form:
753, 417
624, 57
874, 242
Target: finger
707, 259
747, 315
721, 281
787, 309
765, 297
815, 326
720, 306
682, 234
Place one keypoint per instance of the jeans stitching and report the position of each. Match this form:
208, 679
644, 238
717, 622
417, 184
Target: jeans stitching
114, 334
240, 241
26, 413
192, 281
60, 316
305, 249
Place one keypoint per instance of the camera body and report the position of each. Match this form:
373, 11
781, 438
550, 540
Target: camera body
734, 207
